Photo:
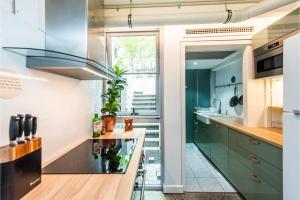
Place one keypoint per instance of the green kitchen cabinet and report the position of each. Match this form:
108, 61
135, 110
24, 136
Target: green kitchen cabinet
253, 166
202, 137
196, 131
219, 147
205, 139
253, 175
251, 185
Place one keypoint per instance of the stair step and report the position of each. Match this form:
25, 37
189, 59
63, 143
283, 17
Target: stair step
156, 135
142, 109
152, 131
151, 148
144, 95
144, 98
151, 144
140, 100
152, 139
145, 107
144, 103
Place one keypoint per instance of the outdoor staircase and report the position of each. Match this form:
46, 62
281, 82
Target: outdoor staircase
152, 153
144, 102
152, 141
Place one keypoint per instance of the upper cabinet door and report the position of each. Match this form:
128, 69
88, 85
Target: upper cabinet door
291, 74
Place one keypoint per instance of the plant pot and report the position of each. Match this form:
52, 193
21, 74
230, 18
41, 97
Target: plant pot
109, 123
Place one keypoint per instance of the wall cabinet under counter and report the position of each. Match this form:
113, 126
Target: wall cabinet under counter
253, 166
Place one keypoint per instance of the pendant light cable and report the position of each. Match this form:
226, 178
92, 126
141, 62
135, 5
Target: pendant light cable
229, 13
130, 15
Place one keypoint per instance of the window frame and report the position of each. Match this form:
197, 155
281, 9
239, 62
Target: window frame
109, 35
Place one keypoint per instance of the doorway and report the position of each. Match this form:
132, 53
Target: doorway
205, 68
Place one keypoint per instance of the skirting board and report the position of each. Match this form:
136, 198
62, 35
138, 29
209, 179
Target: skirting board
173, 188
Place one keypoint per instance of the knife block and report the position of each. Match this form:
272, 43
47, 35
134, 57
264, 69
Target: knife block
20, 169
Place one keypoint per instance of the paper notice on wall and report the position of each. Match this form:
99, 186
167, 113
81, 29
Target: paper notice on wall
10, 84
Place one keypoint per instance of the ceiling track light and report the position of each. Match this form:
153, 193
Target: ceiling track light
229, 13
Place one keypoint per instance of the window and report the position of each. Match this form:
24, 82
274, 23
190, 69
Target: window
138, 53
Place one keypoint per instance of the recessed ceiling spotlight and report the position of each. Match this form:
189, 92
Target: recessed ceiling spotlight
195, 63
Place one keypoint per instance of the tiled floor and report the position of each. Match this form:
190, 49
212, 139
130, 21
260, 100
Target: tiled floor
201, 175
158, 195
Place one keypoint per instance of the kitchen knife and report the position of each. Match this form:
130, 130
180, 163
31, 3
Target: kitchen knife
13, 130
21, 129
34, 126
28, 126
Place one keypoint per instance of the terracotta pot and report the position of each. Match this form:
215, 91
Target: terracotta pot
109, 122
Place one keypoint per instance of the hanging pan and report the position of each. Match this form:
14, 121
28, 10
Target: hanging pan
235, 99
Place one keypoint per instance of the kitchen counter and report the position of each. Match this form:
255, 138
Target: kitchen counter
93, 186
270, 135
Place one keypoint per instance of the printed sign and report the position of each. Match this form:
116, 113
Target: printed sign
10, 84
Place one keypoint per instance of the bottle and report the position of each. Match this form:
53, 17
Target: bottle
96, 126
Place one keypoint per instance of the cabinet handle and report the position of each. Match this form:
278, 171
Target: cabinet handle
217, 125
254, 178
196, 123
254, 159
256, 142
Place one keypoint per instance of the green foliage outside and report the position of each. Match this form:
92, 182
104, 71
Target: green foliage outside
134, 48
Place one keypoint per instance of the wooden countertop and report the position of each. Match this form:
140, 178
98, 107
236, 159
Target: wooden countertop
270, 135
93, 186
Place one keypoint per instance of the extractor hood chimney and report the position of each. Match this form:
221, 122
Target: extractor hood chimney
75, 44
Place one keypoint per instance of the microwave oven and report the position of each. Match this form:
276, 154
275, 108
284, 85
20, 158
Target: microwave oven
268, 59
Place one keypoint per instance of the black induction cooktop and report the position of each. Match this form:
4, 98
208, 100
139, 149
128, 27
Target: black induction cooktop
95, 156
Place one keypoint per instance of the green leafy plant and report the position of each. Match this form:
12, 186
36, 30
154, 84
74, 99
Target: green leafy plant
113, 92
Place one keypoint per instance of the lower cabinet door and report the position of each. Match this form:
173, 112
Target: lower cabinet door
219, 148
249, 184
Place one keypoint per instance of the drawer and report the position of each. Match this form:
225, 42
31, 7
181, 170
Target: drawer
265, 151
251, 185
258, 166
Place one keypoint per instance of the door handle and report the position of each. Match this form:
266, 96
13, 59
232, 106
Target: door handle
254, 159
255, 142
255, 178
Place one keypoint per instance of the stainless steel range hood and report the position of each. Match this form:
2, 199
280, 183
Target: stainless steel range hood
74, 41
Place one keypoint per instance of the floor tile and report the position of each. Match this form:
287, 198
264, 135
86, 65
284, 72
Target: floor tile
191, 185
188, 172
202, 173
154, 195
210, 185
209, 179
215, 172
225, 185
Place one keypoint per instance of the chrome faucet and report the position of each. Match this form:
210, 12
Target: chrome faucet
220, 105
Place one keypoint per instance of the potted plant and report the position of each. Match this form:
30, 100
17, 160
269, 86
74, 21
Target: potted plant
112, 98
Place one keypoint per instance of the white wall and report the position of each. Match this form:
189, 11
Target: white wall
172, 109
223, 77
64, 106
